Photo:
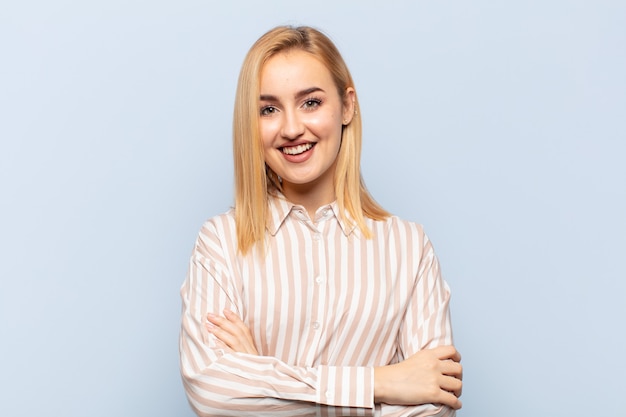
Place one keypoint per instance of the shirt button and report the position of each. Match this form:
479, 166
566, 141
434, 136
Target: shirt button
316, 325
316, 237
318, 280
329, 394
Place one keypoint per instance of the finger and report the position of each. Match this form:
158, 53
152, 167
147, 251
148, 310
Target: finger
455, 356
451, 368
234, 333
230, 315
448, 352
244, 330
225, 324
215, 319
451, 384
449, 399
227, 338
226, 331
234, 319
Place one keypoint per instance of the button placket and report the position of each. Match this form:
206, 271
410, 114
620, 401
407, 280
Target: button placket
318, 300
319, 290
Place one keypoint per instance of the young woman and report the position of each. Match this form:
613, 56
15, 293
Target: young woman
308, 298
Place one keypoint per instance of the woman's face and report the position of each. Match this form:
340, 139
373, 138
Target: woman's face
301, 115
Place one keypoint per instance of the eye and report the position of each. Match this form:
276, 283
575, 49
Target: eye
267, 110
311, 103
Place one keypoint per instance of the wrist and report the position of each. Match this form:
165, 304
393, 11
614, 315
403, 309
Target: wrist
380, 385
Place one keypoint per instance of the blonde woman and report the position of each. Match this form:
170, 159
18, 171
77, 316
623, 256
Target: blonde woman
308, 298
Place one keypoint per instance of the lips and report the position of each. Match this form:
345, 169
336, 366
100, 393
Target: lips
297, 149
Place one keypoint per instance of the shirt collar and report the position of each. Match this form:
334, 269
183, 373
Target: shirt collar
280, 208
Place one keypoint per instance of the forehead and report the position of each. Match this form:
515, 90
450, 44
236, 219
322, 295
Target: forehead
294, 69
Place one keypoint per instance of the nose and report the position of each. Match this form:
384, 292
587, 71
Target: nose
292, 126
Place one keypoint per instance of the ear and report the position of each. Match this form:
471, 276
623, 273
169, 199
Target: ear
349, 105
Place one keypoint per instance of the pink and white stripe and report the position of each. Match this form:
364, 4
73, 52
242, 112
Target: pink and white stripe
324, 304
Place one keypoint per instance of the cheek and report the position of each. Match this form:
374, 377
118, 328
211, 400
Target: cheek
325, 125
267, 132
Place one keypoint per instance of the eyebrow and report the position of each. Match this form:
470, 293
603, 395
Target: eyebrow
299, 94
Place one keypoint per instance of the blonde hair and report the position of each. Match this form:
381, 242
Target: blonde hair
254, 181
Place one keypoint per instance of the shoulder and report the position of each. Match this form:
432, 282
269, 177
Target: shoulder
219, 223
394, 225
401, 235
218, 232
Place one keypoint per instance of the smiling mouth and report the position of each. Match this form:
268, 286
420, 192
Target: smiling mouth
296, 150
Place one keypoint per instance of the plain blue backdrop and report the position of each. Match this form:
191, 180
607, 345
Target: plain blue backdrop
501, 126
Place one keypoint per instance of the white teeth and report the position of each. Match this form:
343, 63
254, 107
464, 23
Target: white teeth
295, 150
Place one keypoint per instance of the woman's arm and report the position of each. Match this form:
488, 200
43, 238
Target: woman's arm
227, 355
433, 375
220, 380
429, 376
231, 330
429, 370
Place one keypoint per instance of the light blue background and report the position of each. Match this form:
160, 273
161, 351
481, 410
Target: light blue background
501, 126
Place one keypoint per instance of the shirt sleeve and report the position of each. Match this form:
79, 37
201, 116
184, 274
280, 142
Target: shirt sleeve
426, 324
221, 382
425, 410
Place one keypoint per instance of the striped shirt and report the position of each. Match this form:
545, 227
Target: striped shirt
325, 306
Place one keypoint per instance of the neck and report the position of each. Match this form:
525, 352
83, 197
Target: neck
309, 196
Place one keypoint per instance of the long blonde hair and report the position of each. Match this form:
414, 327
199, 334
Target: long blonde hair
253, 179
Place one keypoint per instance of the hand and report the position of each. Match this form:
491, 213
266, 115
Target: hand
431, 376
232, 331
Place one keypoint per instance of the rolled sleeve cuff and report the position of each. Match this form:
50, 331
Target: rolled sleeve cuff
342, 386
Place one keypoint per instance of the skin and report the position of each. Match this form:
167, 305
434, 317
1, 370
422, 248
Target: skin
430, 376
300, 105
